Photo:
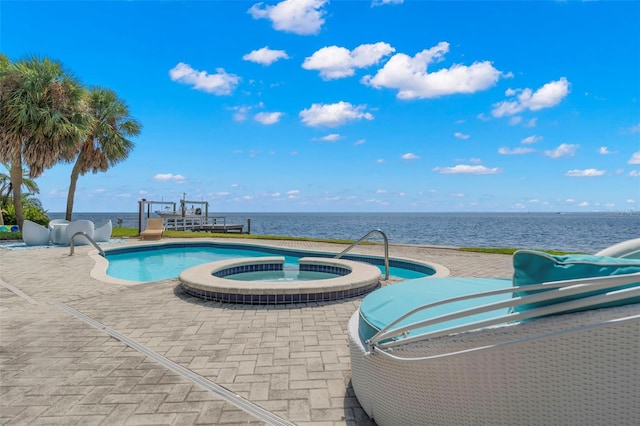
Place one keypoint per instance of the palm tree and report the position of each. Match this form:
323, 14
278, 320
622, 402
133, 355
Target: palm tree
6, 191
106, 142
6, 188
41, 118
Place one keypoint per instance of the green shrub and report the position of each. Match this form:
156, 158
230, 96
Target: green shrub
32, 213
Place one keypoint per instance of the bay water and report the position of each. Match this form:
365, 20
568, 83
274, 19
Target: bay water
577, 232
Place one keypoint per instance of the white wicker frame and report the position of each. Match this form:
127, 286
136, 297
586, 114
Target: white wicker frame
571, 369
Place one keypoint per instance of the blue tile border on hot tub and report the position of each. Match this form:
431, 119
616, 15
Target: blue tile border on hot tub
278, 299
240, 269
329, 269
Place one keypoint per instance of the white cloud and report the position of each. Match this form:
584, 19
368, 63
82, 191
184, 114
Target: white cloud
547, 96
605, 150
265, 56
563, 150
410, 76
333, 137
583, 204
375, 3
635, 158
514, 151
165, 177
531, 139
333, 115
380, 161
585, 173
466, 169
268, 117
220, 83
338, 62
293, 194
634, 173
409, 156
303, 17
241, 113
461, 135
359, 142
513, 121
531, 123
635, 129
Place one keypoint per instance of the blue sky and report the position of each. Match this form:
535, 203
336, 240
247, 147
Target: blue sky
318, 106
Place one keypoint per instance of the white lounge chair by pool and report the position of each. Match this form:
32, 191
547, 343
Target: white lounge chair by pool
103, 233
34, 234
561, 345
80, 226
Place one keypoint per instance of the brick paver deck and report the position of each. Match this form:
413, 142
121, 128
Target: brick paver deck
292, 361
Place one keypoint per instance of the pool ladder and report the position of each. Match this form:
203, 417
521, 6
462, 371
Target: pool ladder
386, 249
84, 234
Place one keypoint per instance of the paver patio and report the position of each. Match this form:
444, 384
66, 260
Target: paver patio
61, 364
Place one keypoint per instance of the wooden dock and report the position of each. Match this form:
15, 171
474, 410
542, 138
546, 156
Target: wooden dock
223, 228
201, 223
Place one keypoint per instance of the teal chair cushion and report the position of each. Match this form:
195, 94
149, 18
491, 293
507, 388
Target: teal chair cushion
384, 305
534, 267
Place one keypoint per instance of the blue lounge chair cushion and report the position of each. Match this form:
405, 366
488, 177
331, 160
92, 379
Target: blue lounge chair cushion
535, 267
384, 305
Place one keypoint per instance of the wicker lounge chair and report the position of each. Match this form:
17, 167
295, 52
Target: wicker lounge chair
155, 228
559, 351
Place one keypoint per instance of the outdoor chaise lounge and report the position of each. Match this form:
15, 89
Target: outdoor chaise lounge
558, 344
155, 228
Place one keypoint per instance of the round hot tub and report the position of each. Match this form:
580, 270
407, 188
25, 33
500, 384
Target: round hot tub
263, 280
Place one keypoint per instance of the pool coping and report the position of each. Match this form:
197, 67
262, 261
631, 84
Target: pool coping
201, 281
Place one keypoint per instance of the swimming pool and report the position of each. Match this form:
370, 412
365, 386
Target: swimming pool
157, 262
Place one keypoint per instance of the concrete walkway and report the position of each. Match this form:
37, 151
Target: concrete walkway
75, 350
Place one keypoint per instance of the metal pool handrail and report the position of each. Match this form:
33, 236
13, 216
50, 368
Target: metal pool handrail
386, 249
72, 243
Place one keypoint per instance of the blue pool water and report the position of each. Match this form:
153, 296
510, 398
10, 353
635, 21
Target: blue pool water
159, 262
